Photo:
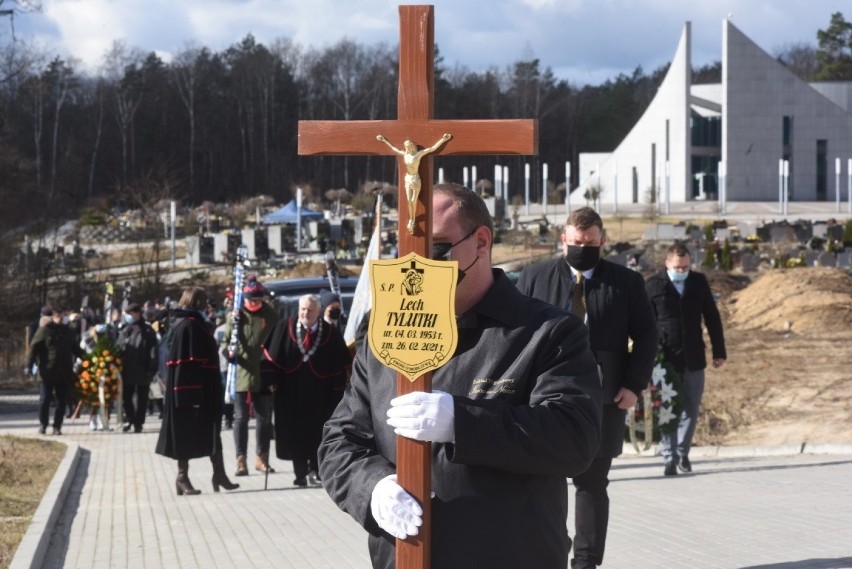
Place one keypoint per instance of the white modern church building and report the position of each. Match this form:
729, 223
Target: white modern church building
744, 128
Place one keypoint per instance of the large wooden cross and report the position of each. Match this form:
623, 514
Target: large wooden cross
415, 104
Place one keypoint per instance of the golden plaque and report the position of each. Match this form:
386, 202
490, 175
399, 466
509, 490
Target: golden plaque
413, 317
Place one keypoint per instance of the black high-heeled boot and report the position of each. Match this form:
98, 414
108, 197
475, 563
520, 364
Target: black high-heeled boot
182, 484
219, 476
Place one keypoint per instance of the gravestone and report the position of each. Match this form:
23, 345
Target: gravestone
221, 250
696, 235
746, 229
749, 262
193, 250
778, 233
275, 239
206, 255
826, 259
834, 232
723, 233
803, 229
811, 258
844, 259
496, 207
669, 232
820, 229
248, 239
618, 258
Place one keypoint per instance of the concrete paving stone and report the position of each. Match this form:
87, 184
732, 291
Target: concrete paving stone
741, 508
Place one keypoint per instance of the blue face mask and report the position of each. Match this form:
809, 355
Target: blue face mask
677, 277
129, 319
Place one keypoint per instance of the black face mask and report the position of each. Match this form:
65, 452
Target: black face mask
463, 272
583, 258
334, 313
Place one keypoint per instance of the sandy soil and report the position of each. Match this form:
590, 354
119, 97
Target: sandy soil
788, 378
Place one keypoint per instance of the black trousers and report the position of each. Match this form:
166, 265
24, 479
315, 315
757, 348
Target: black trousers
46, 392
591, 513
134, 413
302, 466
591, 506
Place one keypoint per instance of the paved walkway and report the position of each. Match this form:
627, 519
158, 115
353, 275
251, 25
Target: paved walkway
742, 508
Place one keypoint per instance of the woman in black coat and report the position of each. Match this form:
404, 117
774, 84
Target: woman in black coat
194, 396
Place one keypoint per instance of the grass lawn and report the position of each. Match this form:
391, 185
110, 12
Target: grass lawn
27, 466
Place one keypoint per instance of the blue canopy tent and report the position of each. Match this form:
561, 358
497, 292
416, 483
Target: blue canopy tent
288, 214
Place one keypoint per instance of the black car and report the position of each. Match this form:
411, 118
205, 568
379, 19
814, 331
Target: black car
285, 293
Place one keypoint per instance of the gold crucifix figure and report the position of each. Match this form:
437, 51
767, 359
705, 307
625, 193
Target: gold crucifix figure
411, 157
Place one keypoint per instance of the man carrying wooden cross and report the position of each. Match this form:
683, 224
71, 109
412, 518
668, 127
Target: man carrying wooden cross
514, 412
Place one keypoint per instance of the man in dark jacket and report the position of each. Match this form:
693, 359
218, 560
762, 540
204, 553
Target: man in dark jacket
681, 299
515, 410
309, 360
54, 349
612, 301
138, 345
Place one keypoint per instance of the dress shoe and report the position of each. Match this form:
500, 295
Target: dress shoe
671, 469
137, 429
126, 428
300, 482
261, 463
314, 479
42, 430
57, 431
684, 465
242, 469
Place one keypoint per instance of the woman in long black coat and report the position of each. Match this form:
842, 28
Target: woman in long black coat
194, 396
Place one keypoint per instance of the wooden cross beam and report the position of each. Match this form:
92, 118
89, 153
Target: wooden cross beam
415, 108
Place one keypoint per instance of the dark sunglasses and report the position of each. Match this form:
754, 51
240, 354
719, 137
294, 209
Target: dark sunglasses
441, 250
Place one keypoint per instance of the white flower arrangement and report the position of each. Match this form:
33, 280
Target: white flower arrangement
663, 397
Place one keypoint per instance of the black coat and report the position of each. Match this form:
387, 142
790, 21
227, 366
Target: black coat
54, 348
679, 320
618, 311
306, 392
194, 393
527, 406
138, 345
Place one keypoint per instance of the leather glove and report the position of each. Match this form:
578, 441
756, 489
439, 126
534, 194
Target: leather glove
394, 509
423, 416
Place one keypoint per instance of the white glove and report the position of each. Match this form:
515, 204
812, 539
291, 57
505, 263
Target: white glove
423, 416
394, 509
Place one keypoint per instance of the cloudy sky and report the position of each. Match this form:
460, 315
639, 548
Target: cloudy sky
583, 41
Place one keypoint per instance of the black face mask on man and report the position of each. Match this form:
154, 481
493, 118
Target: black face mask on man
583, 258
463, 272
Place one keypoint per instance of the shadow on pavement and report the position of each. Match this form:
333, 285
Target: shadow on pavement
57, 549
840, 563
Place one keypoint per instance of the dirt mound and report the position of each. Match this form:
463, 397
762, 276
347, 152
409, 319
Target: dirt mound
800, 300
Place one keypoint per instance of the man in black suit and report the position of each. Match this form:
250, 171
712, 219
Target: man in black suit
611, 300
681, 299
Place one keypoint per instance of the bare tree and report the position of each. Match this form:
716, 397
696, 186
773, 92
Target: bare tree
118, 60
61, 79
185, 72
800, 58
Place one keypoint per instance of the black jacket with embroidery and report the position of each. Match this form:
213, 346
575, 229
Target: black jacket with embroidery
527, 403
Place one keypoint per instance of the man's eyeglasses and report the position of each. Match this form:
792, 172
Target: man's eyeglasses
441, 250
